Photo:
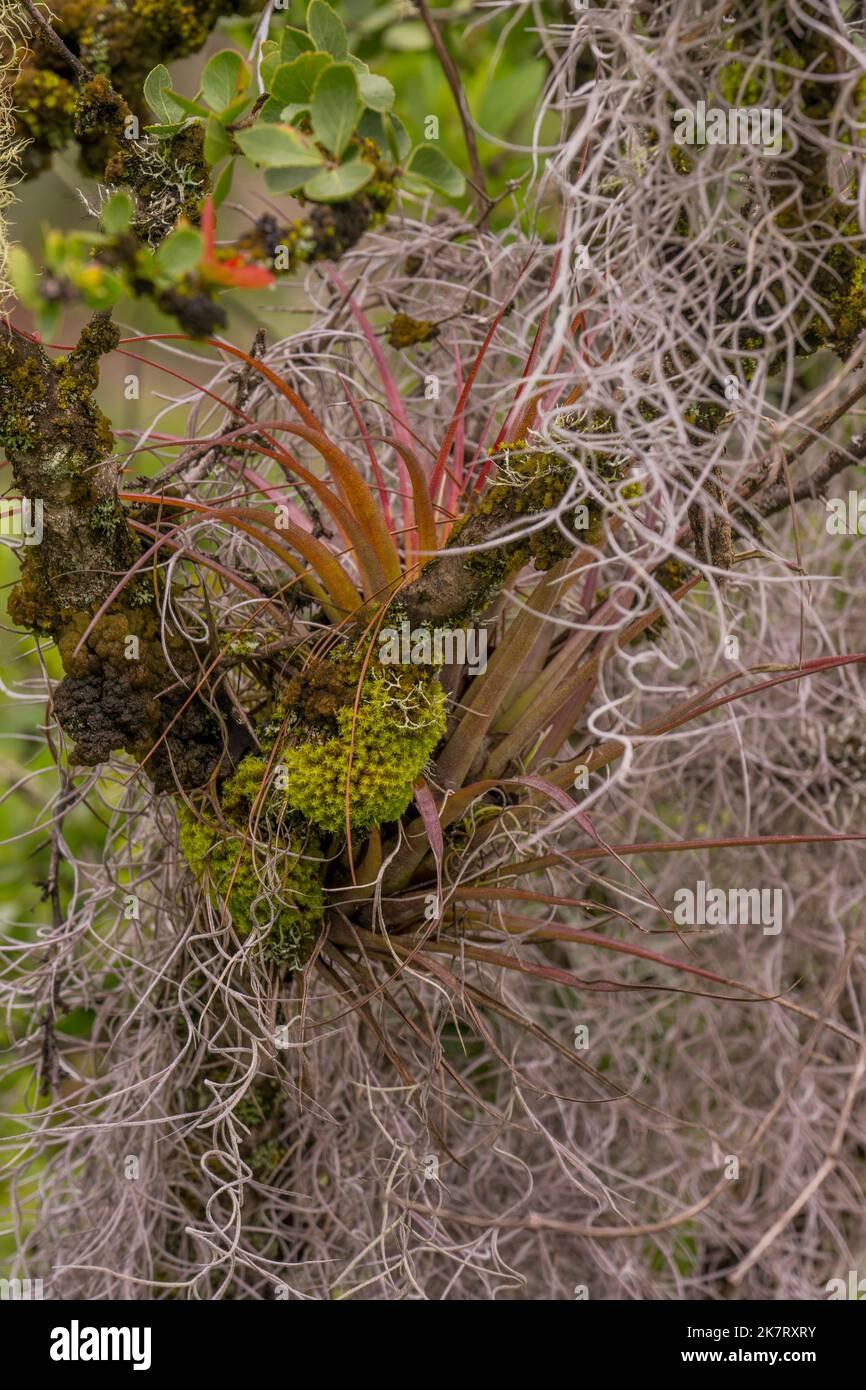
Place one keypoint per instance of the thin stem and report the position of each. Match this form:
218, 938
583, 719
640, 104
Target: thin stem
482, 202
53, 39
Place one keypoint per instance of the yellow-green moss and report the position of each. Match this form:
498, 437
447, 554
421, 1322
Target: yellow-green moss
404, 331
117, 40
227, 863
401, 717
741, 86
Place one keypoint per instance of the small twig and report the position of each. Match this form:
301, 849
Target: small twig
483, 203
50, 1064
778, 496
53, 39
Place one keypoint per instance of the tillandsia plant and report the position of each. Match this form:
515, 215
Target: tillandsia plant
465, 684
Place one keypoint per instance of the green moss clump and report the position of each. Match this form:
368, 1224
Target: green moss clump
45, 113
740, 89
22, 393
529, 483
841, 282
226, 861
106, 517
671, 574
266, 1157
380, 753
404, 331
119, 41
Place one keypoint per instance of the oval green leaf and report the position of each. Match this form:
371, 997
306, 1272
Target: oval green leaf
336, 107
157, 85
225, 77
376, 92
293, 83
327, 30
180, 252
293, 42
278, 147
116, 214
223, 185
336, 185
286, 180
217, 144
435, 168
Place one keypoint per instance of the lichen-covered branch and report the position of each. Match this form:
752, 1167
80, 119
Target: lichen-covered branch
120, 40
119, 690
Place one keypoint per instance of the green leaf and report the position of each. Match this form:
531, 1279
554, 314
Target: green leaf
371, 127
48, 320
293, 42
225, 77
335, 185
157, 86
336, 107
223, 185
293, 82
271, 59
192, 108
234, 109
278, 147
290, 113
399, 142
116, 214
326, 29
506, 98
272, 113
180, 252
286, 180
217, 144
25, 281
376, 92
164, 132
80, 244
435, 168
